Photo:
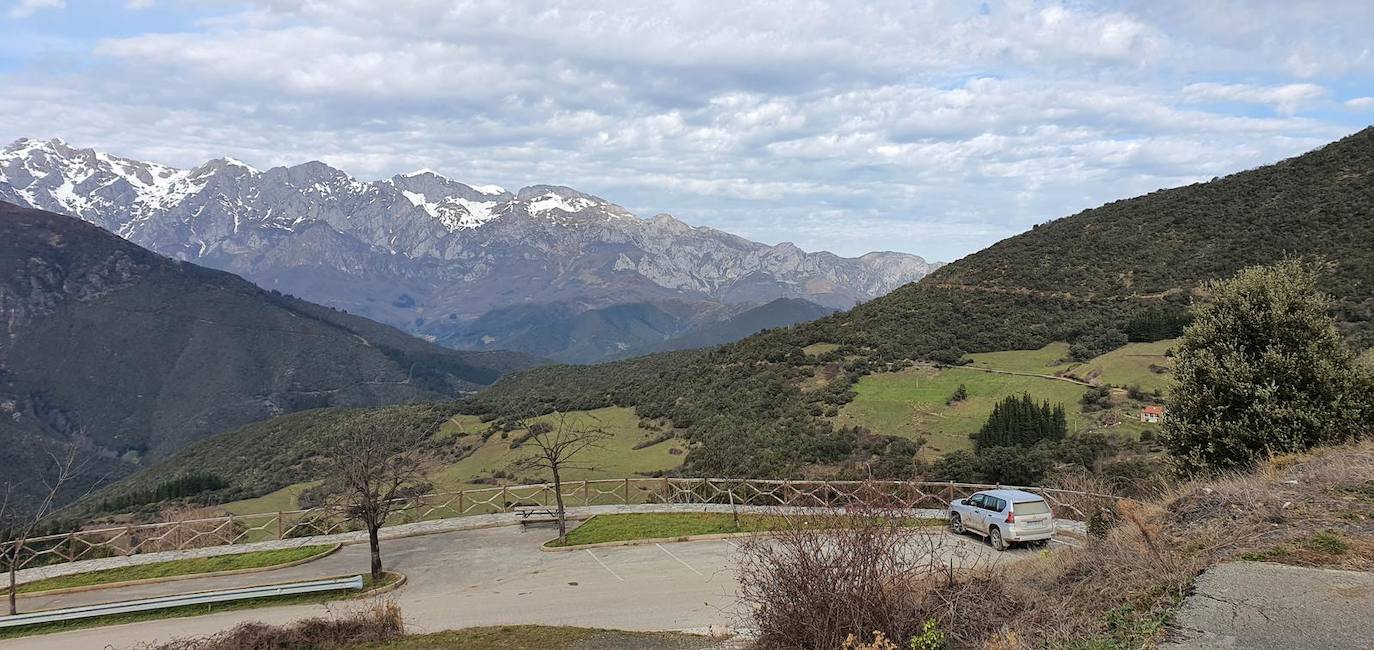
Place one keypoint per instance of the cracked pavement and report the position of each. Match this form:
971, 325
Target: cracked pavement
1263, 606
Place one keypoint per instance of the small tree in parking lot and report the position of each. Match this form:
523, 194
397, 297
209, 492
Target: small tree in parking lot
369, 469
555, 448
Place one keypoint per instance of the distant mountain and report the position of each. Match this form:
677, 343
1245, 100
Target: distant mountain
432, 255
779, 313
564, 333
133, 355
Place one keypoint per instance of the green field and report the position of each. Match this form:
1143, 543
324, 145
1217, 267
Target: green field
615, 458
283, 500
1129, 366
817, 349
173, 568
912, 403
1048, 360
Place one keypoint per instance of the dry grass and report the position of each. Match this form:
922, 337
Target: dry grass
1118, 591
1314, 509
379, 621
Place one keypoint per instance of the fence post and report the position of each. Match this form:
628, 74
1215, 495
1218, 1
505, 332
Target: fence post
281, 532
128, 541
627, 490
586, 493
505, 497
460, 501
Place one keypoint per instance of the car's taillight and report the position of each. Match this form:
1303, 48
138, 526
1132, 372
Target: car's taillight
1011, 516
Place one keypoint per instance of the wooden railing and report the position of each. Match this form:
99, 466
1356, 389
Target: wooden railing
243, 529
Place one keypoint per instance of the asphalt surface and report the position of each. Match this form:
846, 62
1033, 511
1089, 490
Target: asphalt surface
1265, 606
494, 576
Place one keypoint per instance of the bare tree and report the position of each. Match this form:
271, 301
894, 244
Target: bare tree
16, 526
555, 447
370, 469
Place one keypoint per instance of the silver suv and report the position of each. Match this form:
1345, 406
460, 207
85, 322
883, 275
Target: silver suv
1003, 516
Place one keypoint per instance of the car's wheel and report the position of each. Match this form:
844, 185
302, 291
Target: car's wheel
956, 523
995, 538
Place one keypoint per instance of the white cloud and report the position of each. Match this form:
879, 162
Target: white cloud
1287, 98
26, 8
931, 127
1361, 103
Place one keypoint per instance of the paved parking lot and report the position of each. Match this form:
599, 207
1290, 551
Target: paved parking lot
486, 577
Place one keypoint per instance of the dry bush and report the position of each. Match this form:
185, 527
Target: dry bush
378, 622
837, 577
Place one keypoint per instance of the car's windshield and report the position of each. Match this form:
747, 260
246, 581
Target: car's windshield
1031, 508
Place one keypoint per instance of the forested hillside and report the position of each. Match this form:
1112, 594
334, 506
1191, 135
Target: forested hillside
132, 355
1125, 270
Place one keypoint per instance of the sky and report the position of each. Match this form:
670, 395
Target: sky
934, 128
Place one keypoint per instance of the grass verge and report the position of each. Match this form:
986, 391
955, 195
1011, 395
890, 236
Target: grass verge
539, 637
197, 610
602, 529
175, 568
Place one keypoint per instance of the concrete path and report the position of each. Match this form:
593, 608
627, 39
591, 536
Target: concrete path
493, 576
1265, 606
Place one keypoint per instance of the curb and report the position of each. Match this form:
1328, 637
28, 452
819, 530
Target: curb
333, 548
400, 582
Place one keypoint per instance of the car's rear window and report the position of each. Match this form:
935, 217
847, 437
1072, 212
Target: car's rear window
1031, 508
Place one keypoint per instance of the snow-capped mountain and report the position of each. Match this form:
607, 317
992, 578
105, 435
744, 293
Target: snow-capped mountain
431, 254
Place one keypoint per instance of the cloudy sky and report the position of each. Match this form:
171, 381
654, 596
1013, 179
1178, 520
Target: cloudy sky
929, 127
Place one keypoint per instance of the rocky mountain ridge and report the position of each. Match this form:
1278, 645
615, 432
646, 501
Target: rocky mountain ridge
424, 252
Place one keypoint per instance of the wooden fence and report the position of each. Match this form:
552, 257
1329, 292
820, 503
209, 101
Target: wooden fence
243, 529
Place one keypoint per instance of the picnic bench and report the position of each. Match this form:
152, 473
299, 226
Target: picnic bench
536, 514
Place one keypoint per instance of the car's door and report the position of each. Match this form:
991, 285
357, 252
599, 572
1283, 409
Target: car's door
992, 508
973, 513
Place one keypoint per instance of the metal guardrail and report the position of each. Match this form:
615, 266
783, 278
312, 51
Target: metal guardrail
167, 602
243, 529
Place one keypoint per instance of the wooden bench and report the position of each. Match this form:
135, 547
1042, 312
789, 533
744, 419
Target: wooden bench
536, 514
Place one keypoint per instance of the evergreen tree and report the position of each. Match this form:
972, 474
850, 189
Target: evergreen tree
1021, 422
1263, 370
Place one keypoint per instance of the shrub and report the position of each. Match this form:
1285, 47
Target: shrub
863, 574
1263, 371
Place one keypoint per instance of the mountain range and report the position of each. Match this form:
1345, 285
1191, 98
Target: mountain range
475, 267
131, 355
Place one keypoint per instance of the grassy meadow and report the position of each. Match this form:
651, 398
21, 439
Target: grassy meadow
914, 402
